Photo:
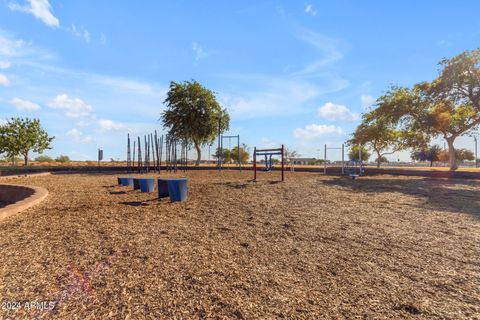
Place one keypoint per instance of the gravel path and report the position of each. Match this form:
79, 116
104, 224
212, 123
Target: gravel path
312, 247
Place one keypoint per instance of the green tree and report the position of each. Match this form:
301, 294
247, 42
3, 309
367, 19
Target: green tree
290, 154
430, 154
464, 155
449, 106
62, 159
44, 158
353, 154
193, 114
226, 155
22, 136
383, 136
382, 159
244, 154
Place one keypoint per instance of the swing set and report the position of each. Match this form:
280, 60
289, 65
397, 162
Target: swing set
268, 153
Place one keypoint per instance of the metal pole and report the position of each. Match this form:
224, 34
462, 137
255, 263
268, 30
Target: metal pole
219, 137
255, 164
343, 159
238, 151
282, 165
325, 160
476, 160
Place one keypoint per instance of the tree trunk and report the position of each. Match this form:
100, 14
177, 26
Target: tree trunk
431, 163
451, 154
379, 159
199, 153
25, 157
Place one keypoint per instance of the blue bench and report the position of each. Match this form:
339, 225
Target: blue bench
146, 184
175, 188
126, 181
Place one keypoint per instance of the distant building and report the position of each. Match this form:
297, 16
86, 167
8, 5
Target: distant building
302, 161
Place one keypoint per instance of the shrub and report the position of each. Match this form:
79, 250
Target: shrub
44, 158
62, 159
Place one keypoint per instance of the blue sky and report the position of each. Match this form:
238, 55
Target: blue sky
291, 72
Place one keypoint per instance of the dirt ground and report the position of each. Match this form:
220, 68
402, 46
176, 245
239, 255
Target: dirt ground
312, 247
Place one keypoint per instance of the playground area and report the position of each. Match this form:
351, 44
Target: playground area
313, 247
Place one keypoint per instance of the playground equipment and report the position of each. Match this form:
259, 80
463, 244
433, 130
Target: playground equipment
354, 169
221, 160
176, 189
127, 181
325, 158
173, 163
147, 184
150, 155
268, 153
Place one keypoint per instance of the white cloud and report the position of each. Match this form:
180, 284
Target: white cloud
337, 112
273, 96
329, 47
5, 64
40, 9
314, 131
11, 48
199, 51
73, 107
309, 9
367, 101
80, 32
108, 125
4, 80
24, 105
79, 137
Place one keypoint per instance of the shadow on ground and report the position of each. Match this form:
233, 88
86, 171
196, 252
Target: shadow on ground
453, 195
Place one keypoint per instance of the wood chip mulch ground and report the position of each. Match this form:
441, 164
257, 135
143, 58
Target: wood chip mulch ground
312, 247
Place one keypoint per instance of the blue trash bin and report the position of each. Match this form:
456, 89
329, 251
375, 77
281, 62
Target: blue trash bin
126, 181
119, 180
147, 184
177, 189
162, 188
136, 183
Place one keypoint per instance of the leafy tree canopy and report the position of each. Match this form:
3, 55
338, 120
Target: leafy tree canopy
62, 158
430, 154
193, 114
354, 153
44, 158
22, 136
449, 106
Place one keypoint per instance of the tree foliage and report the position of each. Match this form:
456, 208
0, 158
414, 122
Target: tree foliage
62, 158
193, 114
22, 136
289, 154
44, 158
244, 154
460, 155
381, 136
354, 153
430, 154
449, 106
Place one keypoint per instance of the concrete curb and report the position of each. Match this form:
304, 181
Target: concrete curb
25, 197
26, 175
